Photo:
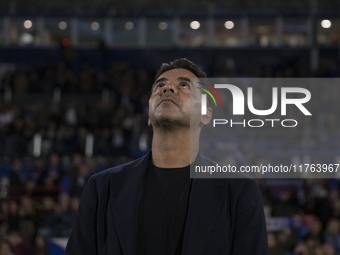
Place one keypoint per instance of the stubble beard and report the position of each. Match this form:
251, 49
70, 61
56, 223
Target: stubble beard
168, 124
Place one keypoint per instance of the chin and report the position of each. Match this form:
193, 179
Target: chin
167, 123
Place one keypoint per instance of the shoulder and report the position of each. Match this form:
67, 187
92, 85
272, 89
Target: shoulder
104, 176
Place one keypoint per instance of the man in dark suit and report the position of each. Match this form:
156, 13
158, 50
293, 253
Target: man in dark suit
151, 206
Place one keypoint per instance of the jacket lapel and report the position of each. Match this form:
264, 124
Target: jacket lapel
206, 197
126, 189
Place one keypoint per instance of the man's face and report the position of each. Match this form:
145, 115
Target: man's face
169, 104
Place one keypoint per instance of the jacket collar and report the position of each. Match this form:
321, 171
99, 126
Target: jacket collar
127, 186
205, 201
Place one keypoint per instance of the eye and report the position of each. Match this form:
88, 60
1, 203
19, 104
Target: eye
158, 85
184, 85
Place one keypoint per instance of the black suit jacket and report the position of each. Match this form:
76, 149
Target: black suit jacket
225, 216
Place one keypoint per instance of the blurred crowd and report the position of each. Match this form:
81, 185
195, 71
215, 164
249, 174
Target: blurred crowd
116, 123
39, 194
311, 209
39, 201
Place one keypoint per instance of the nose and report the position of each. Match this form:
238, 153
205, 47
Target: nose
168, 88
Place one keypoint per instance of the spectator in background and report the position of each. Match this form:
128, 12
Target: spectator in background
7, 79
286, 204
273, 247
320, 195
79, 181
20, 246
74, 208
77, 175
34, 173
20, 83
16, 179
63, 217
66, 140
336, 208
86, 78
46, 217
102, 144
77, 162
332, 235
118, 142
27, 218
92, 165
81, 139
71, 115
310, 247
50, 178
40, 246
6, 115
328, 249
6, 248
4, 215
315, 230
281, 242
13, 216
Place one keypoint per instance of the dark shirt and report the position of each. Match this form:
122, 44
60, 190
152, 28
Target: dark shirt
162, 211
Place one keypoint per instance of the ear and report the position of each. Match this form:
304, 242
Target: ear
149, 123
205, 119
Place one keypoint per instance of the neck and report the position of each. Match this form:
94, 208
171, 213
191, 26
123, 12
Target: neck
172, 149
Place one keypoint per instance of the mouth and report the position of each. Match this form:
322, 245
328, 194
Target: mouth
167, 100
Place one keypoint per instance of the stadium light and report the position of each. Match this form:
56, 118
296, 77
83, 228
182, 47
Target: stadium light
66, 42
26, 38
62, 25
195, 24
28, 24
95, 25
229, 24
163, 25
129, 25
326, 23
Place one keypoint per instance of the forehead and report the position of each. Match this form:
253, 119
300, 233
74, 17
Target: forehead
175, 73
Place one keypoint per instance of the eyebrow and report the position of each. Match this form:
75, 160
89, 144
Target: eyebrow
183, 79
166, 79
161, 80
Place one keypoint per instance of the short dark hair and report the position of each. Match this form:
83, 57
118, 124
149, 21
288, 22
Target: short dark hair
183, 63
